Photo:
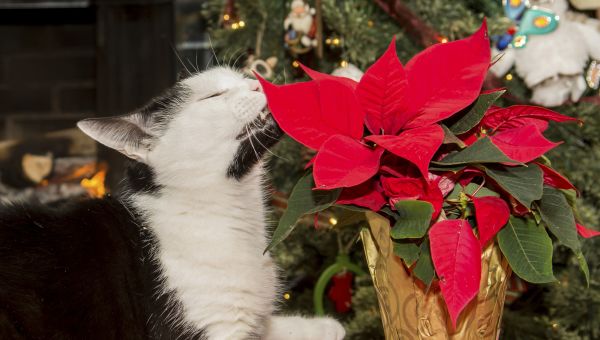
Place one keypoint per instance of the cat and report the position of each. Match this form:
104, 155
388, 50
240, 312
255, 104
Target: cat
179, 255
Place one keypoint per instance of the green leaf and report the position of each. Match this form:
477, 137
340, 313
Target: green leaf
584, 267
557, 214
446, 168
523, 183
413, 220
528, 249
483, 192
303, 200
353, 208
475, 113
450, 138
424, 270
482, 151
407, 251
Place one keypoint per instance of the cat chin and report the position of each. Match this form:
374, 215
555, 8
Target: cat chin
255, 139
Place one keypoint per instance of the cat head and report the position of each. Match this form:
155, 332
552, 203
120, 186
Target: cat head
209, 126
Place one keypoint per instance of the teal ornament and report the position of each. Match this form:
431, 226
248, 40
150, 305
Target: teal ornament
535, 21
514, 9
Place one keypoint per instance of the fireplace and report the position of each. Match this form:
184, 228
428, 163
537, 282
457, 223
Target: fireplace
64, 60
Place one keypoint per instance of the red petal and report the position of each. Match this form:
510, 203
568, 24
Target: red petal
344, 162
407, 188
416, 146
382, 93
340, 108
367, 195
554, 179
434, 195
520, 115
585, 232
315, 75
403, 188
456, 255
491, 213
523, 144
446, 78
297, 110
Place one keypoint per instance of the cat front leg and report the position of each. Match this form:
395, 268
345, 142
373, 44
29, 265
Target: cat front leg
300, 328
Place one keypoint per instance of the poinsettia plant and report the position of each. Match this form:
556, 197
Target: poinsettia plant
422, 145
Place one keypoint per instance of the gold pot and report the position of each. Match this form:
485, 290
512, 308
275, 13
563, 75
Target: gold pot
410, 311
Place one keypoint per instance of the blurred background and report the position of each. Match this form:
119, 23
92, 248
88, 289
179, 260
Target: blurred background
64, 60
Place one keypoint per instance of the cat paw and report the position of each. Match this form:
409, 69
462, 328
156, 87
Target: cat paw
328, 329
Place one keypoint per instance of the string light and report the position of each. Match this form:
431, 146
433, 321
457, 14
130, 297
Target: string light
295, 64
328, 41
333, 221
335, 41
287, 296
226, 17
370, 23
235, 26
509, 77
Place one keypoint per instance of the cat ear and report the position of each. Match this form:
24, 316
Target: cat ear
126, 134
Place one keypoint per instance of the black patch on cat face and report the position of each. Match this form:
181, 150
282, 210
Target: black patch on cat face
258, 137
141, 179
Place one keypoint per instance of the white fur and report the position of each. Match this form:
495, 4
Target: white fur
210, 228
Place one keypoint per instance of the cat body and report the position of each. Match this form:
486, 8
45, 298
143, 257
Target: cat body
180, 254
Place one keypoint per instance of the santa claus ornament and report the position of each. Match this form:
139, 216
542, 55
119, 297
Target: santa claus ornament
550, 48
301, 28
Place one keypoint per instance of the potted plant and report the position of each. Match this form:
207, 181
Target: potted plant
457, 192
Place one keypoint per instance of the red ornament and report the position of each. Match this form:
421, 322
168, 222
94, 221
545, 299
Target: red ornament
341, 292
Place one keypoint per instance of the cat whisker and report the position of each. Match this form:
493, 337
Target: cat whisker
252, 144
213, 50
180, 60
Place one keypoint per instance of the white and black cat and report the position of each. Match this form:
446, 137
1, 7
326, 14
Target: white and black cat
180, 255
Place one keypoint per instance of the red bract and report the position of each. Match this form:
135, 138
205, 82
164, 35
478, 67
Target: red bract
407, 188
554, 179
368, 195
517, 130
520, 115
456, 255
328, 112
491, 213
522, 144
585, 232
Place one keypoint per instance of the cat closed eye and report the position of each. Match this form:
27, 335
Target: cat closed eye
212, 96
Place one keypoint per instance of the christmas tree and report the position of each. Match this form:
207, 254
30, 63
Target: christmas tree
353, 33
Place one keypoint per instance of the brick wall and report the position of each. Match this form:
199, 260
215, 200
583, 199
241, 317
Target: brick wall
47, 70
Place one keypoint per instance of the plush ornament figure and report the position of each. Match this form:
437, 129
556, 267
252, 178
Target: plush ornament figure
301, 28
551, 50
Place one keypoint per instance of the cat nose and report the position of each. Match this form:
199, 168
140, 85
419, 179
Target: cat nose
254, 85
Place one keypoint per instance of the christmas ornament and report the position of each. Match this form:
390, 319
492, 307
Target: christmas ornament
340, 292
301, 28
593, 75
454, 188
259, 66
550, 49
349, 71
